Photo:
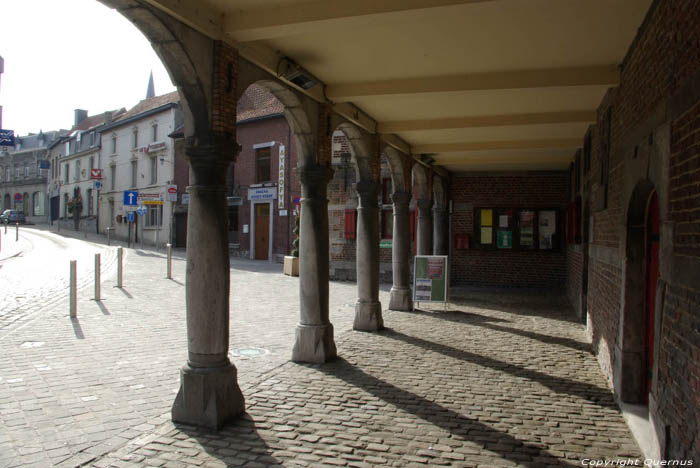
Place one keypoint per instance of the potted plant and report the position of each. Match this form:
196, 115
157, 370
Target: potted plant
291, 262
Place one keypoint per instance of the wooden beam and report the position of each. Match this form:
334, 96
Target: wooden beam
356, 116
496, 145
397, 143
285, 20
487, 121
607, 75
456, 159
197, 15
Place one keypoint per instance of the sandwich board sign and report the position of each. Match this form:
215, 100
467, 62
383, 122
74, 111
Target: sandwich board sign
430, 279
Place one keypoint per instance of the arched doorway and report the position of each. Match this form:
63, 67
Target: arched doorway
637, 328
651, 278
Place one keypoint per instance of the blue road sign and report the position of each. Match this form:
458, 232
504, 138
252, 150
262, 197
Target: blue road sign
98, 185
130, 198
141, 210
130, 216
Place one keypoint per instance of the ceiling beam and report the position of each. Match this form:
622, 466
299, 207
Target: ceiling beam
197, 15
285, 20
607, 75
397, 143
487, 121
355, 115
496, 145
516, 157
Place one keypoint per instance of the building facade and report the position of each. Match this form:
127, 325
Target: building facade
138, 157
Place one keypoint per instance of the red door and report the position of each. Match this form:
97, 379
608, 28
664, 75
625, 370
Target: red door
652, 276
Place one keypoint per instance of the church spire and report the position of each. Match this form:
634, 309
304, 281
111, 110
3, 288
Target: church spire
151, 91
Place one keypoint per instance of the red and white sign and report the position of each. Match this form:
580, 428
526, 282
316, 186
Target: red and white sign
172, 193
95, 173
18, 196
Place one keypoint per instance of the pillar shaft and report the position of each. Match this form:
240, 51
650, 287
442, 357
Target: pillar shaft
314, 333
425, 227
209, 394
368, 310
400, 297
440, 230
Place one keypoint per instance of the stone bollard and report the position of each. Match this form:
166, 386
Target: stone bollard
170, 261
97, 277
16, 232
73, 289
120, 257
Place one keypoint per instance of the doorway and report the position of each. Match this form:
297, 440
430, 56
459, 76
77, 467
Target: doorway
262, 231
651, 279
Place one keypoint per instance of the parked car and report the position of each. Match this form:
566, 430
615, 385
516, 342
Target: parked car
12, 217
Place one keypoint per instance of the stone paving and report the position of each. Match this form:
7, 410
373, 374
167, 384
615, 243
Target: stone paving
499, 380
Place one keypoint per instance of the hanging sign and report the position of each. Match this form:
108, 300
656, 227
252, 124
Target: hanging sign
7, 138
430, 278
95, 173
262, 193
172, 193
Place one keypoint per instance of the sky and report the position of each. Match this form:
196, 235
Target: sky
70, 54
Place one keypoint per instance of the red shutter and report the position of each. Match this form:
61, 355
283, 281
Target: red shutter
350, 224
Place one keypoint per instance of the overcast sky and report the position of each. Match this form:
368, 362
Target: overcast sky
70, 54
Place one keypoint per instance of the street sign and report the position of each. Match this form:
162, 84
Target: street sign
7, 138
296, 201
130, 216
98, 185
172, 193
18, 196
150, 198
95, 173
130, 197
141, 210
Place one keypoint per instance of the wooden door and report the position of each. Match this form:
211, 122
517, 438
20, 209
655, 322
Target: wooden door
652, 276
262, 231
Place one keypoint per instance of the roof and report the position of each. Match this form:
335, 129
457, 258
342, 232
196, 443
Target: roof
149, 105
95, 120
257, 102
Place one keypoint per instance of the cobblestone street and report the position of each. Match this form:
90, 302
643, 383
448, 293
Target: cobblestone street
499, 380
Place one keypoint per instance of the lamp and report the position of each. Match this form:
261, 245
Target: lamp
295, 73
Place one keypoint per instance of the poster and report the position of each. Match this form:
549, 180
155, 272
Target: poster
430, 278
503, 221
527, 230
486, 217
547, 228
505, 239
486, 235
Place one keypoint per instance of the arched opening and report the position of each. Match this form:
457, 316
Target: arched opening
635, 353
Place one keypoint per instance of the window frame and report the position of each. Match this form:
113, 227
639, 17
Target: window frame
261, 156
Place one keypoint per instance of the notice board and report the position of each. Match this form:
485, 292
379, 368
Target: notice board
430, 278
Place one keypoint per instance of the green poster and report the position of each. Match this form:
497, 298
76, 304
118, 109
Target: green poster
430, 279
505, 239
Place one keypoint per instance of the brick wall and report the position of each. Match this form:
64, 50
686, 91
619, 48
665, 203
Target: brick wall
574, 271
512, 268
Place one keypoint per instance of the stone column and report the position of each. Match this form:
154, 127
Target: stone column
401, 298
368, 309
314, 334
209, 395
440, 230
425, 227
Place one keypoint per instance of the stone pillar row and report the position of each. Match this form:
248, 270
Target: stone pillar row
368, 310
425, 227
401, 298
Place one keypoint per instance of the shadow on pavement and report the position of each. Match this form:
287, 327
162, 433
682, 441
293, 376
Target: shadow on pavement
592, 393
176, 281
77, 329
461, 427
125, 292
245, 447
102, 307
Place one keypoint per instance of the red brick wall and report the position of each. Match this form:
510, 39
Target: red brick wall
574, 271
512, 268
262, 131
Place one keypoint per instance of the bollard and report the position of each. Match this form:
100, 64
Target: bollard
170, 261
120, 256
97, 277
16, 232
6, 222
73, 289
109, 232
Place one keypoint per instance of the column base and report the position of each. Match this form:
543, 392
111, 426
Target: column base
401, 299
208, 397
314, 344
368, 317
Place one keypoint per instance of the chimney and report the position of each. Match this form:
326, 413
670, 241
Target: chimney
80, 115
108, 117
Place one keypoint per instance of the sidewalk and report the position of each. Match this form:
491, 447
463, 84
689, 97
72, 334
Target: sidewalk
499, 380
9, 247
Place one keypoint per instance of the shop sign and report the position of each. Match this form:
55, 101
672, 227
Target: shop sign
7, 138
155, 146
150, 199
262, 193
280, 182
172, 193
95, 173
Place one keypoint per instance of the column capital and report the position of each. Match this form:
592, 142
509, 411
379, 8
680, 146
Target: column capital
209, 158
424, 204
368, 191
401, 198
314, 180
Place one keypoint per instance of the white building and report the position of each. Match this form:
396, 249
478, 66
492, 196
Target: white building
138, 156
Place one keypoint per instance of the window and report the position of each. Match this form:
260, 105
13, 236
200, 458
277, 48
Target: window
92, 162
92, 138
65, 205
18, 172
38, 204
134, 168
262, 165
66, 149
112, 176
135, 140
155, 132
26, 171
154, 171
114, 145
154, 216
111, 212
77, 170
8, 174
67, 173
89, 202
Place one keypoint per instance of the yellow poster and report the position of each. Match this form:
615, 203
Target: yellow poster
486, 235
486, 218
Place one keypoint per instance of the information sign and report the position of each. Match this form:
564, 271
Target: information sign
130, 216
98, 185
430, 279
131, 198
141, 210
172, 193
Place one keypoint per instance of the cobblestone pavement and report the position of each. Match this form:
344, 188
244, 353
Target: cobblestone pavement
501, 379
43, 257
